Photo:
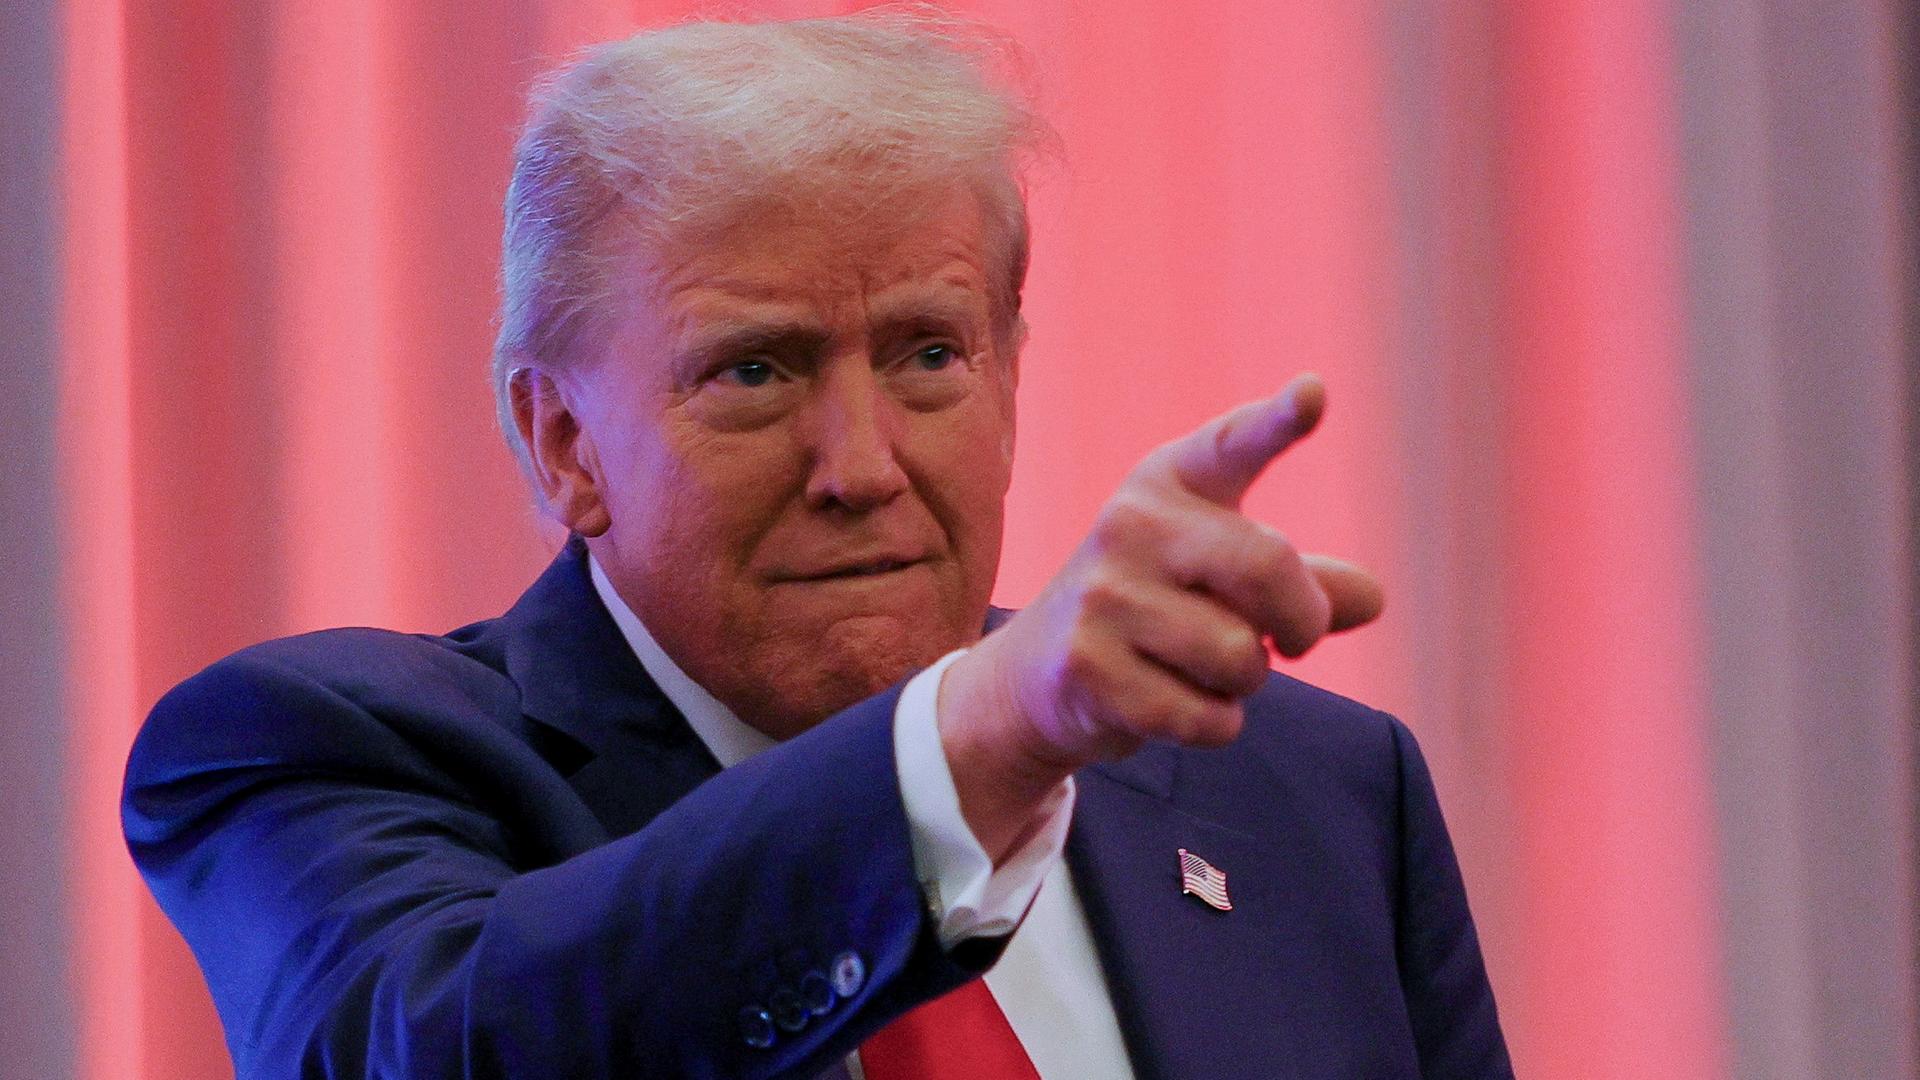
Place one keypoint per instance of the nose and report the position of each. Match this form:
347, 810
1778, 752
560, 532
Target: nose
853, 433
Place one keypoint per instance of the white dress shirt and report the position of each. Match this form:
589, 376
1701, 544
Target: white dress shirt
1048, 982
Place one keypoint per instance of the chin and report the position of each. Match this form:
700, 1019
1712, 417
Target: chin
864, 656
850, 662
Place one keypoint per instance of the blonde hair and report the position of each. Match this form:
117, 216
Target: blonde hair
656, 137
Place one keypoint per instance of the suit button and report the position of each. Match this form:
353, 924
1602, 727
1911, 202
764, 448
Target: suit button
848, 973
756, 1027
787, 1010
815, 993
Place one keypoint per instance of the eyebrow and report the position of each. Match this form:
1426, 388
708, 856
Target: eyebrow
948, 306
945, 301
738, 338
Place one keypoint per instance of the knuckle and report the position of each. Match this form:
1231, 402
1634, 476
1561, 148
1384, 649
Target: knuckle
1253, 677
1080, 664
1307, 622
1316, 612
1246, 663
1236, 643
1225, 435
1294, 639
1127, 519
1167, 715
1106, 594
1273, 555
1209, 723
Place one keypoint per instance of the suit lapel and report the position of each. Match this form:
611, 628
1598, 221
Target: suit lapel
630, 754
1199, 992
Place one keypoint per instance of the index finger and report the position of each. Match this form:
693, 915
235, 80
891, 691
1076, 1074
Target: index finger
1222, 458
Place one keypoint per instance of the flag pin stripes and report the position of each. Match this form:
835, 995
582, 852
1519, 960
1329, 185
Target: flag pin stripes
1201, 878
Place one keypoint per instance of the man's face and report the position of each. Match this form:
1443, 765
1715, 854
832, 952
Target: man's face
803, 435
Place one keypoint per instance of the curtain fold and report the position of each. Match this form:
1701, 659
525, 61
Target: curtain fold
1797, 253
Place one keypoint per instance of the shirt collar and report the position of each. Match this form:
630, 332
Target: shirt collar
730, 739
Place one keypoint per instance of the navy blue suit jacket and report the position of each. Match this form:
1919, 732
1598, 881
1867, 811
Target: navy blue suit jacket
502, 853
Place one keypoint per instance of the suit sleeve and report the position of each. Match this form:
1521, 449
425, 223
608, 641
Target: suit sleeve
362, 909
1442, 974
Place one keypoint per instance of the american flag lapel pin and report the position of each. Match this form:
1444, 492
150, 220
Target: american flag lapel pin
1201, 878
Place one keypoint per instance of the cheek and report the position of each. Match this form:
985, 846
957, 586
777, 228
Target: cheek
967, 465
982, 521
686, 496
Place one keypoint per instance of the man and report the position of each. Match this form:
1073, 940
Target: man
739, 788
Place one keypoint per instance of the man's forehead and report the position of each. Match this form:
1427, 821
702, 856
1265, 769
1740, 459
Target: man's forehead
713, 314
936, 283
838, 234
938, 277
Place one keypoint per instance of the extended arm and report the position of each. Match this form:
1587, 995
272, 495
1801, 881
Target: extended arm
366, 901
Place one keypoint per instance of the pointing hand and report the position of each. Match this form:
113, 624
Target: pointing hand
1154, 629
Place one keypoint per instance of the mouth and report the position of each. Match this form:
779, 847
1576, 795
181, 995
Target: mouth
852, 571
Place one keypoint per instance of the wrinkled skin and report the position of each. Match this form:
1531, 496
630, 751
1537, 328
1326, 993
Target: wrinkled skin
791, 455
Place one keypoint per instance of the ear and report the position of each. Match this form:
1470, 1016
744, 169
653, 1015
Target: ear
564, 464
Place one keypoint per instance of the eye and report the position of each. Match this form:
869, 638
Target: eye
934, 357
749, 373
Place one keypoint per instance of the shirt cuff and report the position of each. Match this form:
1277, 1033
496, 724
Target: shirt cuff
967, 895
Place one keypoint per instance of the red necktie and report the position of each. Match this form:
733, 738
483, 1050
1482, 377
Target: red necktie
962, 1036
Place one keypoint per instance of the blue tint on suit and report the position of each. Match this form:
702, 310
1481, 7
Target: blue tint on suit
502, 853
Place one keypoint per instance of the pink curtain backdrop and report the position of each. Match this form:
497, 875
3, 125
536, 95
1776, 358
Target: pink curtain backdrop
1483, 222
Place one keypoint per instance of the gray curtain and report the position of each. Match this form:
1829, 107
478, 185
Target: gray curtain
1797, 151
35, 1004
